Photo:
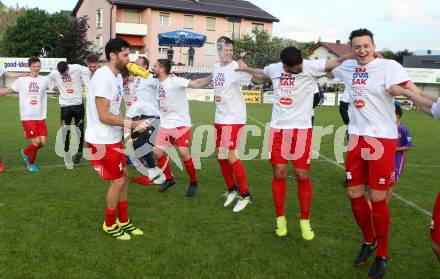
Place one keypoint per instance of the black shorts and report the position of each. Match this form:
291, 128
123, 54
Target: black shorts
72, 112
149, 135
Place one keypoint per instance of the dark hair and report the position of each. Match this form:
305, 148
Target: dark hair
115, 46
62, 67
125, 73
291, 56
146, 62
165, 64
359, 33
398, 108
33, 60
92, 58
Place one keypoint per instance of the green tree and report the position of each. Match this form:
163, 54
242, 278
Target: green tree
72, 43
8, 17
386, 53
258, 49
35, 34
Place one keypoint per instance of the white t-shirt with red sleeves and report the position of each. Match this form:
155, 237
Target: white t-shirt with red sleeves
293, 94
106, 85
173, 103
142, 98
32, 94
372, 110
70, 86
435, 110
228, 97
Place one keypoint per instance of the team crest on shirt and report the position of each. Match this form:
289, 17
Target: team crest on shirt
360, 77
219, 80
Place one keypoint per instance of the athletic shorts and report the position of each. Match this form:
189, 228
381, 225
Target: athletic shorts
291, 145
228, 135
34, 128
108, 160
370, 160
72, 112
180, 136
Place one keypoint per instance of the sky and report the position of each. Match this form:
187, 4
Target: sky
397, 24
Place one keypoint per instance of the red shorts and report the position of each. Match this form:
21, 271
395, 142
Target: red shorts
108, 160
180, 136
34, 128
228, 135
291, 145
370, 160
435, 225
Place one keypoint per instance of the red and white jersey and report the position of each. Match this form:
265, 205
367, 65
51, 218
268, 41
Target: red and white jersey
372, 108
70, 86
435, 110
141, 99
106, 85
293, 94
231, 107
32, 94
173, 103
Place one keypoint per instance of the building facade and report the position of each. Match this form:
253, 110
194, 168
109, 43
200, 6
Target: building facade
140, 21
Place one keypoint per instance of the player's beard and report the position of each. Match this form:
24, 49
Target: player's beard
120, 65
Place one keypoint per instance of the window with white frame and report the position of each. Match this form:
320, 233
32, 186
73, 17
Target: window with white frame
188, 22
210, 49
131, 16
99, 17
165, 19
210, 23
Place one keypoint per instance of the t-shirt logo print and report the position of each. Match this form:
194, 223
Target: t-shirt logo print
67, 80
162, 98
219, 82
359, 83
34, 91
287, 83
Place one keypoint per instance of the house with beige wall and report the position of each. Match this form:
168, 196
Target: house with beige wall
140, 21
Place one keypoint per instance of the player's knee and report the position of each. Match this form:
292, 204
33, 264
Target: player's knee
280, 173
302, 176
377, 196
354, 192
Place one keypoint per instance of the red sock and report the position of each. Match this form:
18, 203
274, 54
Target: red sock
164, 164
362, 214
381, 221
123, 211
191, 170
110, 217
228, 173
305, 197
279, 195
240, 176
31, 152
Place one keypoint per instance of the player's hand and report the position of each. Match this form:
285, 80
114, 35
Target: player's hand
242, 66
140, 125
